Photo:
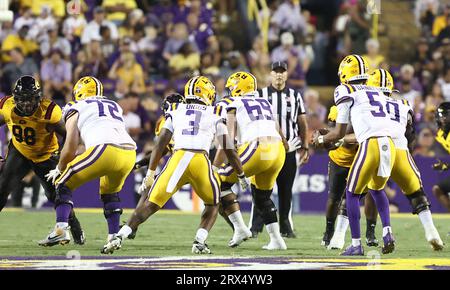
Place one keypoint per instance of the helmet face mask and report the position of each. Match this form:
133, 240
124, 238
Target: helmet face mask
172, 99
443, 116
27, 95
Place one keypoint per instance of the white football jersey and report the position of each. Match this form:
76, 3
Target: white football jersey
253, 116
369, 111
193, 125
100, 121
398, 111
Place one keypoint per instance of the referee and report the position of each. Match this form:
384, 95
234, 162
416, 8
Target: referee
287, 105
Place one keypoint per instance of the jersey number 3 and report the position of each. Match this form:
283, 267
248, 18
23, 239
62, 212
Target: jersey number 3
27, 135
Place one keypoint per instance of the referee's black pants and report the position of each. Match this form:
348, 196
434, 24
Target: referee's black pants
285, 181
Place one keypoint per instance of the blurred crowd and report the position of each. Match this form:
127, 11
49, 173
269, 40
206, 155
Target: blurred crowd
143, 50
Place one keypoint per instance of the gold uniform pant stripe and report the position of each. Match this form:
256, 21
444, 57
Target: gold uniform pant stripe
109, 163
364, 170
197, 172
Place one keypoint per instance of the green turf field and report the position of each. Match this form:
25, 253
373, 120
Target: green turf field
170, 233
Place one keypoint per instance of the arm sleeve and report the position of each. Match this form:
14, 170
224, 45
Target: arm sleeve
343, 115
168, 124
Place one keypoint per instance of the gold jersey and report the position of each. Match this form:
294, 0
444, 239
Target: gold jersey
443, 140
343, 156
30, 134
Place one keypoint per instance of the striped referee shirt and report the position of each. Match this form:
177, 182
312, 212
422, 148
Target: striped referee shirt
287, 105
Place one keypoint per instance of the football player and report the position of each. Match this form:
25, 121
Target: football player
193, 127
405, 172
341, 158
166, 105
110, 155
33, 122
442, 189
366, 107
262, 153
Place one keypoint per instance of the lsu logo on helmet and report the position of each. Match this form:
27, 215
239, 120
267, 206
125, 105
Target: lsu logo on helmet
87, 87
383, 79
352, 68
200, 88
241, 83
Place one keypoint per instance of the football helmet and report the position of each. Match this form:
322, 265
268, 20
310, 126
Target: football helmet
352, 68
87, 87
172, 99
442, 115
382, 79
27, 95
241, 83
200, 88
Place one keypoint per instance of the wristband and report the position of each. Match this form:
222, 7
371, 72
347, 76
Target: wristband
320, 139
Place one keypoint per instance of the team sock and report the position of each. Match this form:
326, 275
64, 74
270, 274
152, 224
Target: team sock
353, 214
201, 236
237, 220
382, 204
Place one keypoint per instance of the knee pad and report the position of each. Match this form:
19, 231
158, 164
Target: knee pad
226, 203
111, 204
225, 189
63, 195
419, 201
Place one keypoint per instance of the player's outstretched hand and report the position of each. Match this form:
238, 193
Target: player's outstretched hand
53, 174
243, 181
442, 166
147, 182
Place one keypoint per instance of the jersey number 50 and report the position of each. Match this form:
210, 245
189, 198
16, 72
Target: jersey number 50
395, 114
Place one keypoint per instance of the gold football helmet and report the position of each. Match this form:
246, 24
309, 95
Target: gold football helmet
87, 87
200, 88
352, 68
381, 78
241, 83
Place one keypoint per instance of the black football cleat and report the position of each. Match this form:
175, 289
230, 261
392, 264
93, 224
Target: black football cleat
289, 235
76, 231
371, 240
326, 238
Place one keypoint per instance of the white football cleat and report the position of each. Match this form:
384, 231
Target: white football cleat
59, 236
434, 240
200, 248
275, 244
239, 236
337, 242
114, 244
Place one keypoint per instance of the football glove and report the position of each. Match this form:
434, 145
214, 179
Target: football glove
148, 181
442, 166
53, 175
243, 181
294, 144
